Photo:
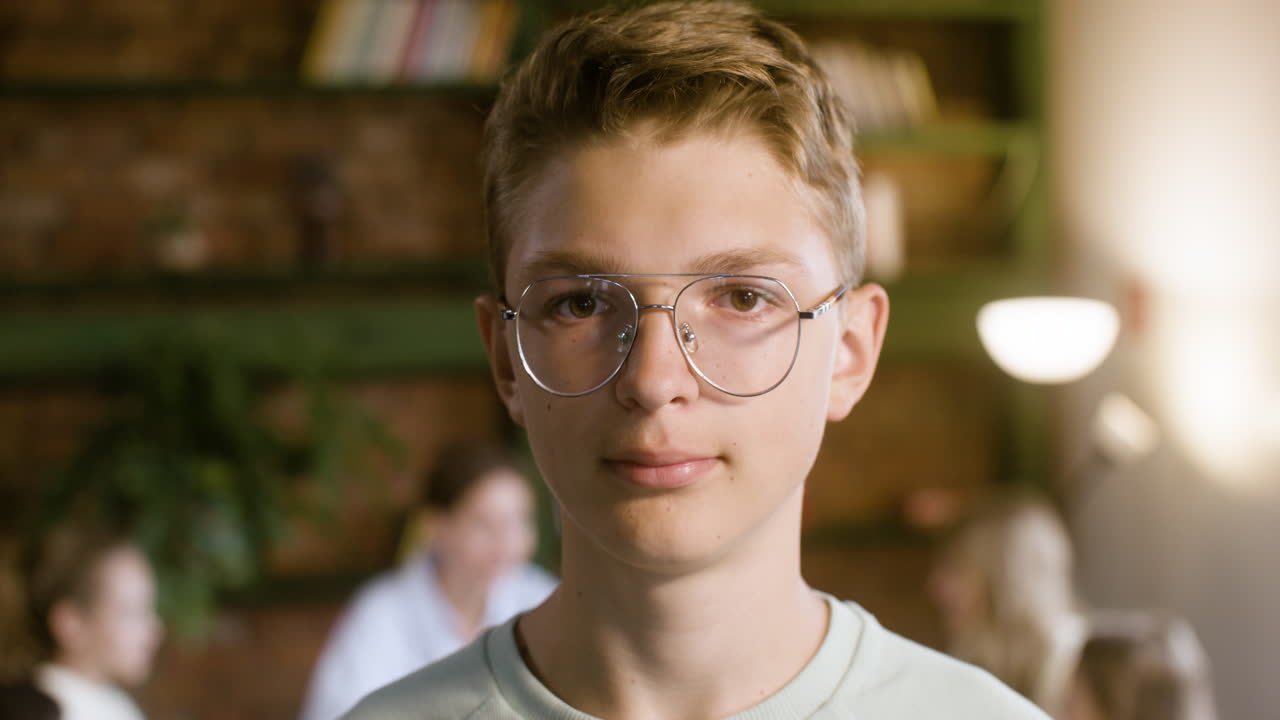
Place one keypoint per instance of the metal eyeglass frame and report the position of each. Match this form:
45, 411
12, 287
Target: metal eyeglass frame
817, 311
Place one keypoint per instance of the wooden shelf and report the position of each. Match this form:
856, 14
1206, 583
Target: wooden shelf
973, 10
861, 533
453, 275
169, 88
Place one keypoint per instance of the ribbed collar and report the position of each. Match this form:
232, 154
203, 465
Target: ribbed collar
800, 698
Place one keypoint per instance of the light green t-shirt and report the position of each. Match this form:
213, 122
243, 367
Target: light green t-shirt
860, 671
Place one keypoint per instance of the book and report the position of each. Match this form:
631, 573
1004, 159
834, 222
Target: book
420, 26
390, 34
335, 41
493, 43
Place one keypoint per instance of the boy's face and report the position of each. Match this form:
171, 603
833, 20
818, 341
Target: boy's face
657, 468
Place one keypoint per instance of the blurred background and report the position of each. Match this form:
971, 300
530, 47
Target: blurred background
239, 241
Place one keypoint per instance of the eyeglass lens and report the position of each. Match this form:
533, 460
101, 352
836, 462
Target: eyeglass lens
740, 333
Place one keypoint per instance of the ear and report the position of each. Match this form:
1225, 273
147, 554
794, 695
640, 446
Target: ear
493, 331
862, 317
66, 624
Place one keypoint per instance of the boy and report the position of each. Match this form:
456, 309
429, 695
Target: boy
680, 167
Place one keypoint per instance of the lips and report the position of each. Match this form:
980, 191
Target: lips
660, 470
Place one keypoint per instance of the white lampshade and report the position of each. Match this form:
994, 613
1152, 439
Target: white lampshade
1048, 339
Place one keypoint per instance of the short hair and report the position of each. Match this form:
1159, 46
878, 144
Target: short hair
460, 467
63, 565
679, 68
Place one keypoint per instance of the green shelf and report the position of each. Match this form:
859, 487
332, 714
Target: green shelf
932, 314
931, 317
975, 139
351, 339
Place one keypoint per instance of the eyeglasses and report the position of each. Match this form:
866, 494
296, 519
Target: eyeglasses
739, 333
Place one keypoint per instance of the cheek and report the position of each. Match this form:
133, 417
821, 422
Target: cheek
563, 432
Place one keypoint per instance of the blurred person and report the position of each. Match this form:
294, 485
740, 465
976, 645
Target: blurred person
1141, 666
474, 572
83, 628
1003, 586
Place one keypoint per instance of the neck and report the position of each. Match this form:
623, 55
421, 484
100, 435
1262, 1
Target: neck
81, 667
618, 642
467, 595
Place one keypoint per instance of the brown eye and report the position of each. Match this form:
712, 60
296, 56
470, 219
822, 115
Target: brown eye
743, 300
582, 306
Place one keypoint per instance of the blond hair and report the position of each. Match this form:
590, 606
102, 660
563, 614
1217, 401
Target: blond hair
679, 68
1019, 547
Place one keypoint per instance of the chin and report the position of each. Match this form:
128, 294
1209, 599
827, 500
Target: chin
667, 541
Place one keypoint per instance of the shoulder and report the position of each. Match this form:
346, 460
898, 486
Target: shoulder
520, 589
534, 578
374, 606
894, 676
459, 687
374, 592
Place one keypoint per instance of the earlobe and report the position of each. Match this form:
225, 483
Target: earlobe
863, 318
493, 332
65, 624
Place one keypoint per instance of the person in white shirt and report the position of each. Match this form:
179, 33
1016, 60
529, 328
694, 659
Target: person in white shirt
93, 626
473, 573
674, 225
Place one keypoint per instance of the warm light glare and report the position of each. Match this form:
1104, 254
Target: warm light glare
1219, 388
1123, 432
1048, 339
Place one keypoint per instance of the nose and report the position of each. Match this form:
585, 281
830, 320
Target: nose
656, 372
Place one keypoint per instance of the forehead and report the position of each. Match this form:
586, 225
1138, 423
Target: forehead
499, 486
124, 571
703, 203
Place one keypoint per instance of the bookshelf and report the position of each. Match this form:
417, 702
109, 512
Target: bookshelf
64, 325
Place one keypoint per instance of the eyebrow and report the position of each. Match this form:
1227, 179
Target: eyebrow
743, 260
563, 262
738, 261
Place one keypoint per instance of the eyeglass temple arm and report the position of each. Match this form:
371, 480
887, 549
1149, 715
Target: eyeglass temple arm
506, 313
821, 309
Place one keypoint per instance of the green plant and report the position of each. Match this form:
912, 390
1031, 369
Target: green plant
192, 463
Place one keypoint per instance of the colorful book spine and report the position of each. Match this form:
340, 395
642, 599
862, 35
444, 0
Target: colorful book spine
335, 40
502, 34
390, 36
381, 41
419, 27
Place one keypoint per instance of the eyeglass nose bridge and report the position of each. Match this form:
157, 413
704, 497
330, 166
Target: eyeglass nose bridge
684, 334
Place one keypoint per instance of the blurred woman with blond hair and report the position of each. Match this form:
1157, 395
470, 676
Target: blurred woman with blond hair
1003, 586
